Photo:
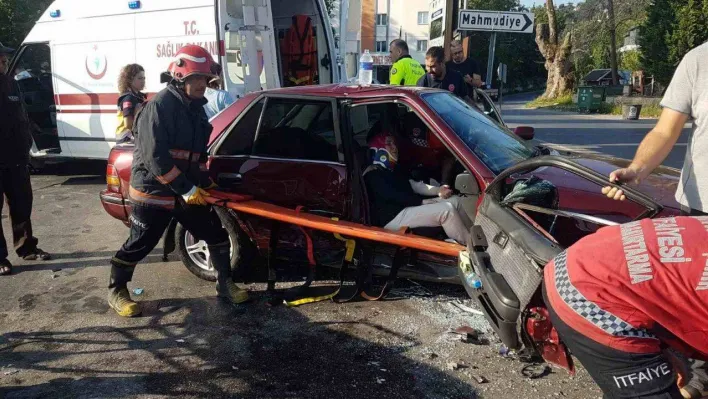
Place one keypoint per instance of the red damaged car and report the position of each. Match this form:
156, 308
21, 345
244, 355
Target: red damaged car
306, 147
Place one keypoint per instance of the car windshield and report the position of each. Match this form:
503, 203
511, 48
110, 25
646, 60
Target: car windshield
495, 146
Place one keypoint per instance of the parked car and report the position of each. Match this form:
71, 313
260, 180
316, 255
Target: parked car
306, 147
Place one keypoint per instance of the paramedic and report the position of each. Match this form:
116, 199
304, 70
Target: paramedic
131, 100
397, 200
405, 71
168, 179
622, 296
218, 100
440, 77
685, 99
15, 184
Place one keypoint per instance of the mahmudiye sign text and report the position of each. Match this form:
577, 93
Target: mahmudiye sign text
496, 21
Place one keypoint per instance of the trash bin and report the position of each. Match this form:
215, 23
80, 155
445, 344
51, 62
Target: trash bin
590, 98
631, 111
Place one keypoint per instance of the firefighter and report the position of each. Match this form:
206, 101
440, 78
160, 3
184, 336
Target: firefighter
168, 179
622, 297
15, 184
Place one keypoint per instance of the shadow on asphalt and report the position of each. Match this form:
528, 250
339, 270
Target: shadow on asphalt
203, 348
73, 168
72, 261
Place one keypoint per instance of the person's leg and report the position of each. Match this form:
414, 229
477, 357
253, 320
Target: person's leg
204, 224
147, 227
432, 215
19, 201
456, 201
619, 374
5, 265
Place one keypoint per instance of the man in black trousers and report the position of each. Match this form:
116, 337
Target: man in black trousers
15, 185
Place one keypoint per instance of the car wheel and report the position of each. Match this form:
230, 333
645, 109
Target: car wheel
195, 253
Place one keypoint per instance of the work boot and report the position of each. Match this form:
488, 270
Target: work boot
118, 295
219, 256
119, 300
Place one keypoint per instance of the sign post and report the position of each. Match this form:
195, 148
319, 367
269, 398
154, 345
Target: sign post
495, 21
501, 73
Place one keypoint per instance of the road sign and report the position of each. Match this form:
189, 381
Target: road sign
495, 21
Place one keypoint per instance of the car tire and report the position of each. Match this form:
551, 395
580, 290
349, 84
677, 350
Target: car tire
195, 254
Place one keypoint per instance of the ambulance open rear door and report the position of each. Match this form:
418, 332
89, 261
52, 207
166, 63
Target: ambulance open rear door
249, 55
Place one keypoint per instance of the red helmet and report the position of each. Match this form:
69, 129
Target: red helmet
193, 60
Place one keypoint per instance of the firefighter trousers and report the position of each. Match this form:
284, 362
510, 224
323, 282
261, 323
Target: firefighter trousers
148, 224
16, 188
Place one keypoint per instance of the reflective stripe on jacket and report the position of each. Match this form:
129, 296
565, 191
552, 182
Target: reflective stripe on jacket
170, 149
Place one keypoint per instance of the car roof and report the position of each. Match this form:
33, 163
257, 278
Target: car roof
352, 90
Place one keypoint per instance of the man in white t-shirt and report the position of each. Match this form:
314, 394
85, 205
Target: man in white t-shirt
218, 99
686, 97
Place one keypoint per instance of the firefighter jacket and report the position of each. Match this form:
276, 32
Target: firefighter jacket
15, 132
637, 287
170, 149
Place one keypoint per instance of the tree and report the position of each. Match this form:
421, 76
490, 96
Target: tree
17, 18
672, 28
690, 31
556, 50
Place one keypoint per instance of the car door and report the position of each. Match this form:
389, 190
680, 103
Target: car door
286, 151
486, 105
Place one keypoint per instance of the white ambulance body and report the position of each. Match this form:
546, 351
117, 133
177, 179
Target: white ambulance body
69, 64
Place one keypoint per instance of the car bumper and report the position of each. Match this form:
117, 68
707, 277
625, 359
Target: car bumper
115, 205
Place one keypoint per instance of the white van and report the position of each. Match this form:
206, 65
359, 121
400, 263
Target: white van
68, 66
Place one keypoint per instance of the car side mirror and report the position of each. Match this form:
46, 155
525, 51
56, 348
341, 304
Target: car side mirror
524, 132
465, 183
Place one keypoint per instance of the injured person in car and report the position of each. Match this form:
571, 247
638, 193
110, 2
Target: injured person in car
398, 201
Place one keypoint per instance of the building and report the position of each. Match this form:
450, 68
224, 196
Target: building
380, 22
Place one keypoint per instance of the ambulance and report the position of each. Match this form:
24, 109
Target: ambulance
68, 66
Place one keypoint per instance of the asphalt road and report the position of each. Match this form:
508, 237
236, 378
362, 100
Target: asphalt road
59, 339
605, 134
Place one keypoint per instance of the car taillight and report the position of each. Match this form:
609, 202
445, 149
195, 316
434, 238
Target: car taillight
112, 178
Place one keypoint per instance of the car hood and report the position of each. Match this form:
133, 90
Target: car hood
660, 185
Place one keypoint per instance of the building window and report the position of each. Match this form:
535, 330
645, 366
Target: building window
422, 45
382, 19
381, 46
422, 18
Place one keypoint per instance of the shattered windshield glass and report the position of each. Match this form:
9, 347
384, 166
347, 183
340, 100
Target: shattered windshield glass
496, 147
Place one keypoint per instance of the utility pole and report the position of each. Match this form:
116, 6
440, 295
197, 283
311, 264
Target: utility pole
613, 40
449, 13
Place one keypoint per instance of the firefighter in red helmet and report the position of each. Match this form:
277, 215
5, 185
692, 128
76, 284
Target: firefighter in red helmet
169, 177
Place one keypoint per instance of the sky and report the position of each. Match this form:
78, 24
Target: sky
530, 3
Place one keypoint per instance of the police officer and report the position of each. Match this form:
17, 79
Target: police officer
168, 177
15, 184
405, 70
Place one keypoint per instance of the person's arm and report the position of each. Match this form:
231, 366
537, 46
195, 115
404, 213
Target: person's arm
423, 189
154, 145
655, 147
421, 82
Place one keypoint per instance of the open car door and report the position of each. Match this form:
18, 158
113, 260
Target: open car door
249, 56
512, 242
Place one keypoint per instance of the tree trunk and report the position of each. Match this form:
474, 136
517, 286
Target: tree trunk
613, 41
557, 55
